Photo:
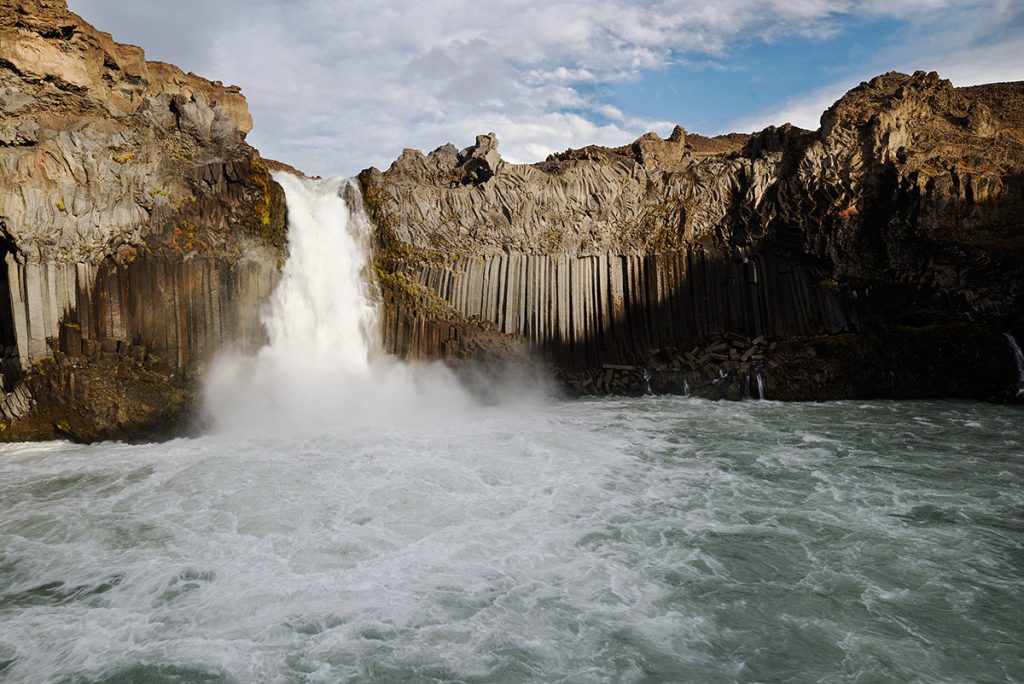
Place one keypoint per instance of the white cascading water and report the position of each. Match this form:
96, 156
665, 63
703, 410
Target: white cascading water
1019, 356
322, 363
321, 317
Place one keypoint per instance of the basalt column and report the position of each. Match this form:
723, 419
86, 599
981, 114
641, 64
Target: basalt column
587, 311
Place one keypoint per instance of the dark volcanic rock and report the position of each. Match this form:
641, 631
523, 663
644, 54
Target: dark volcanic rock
890, 240
139, 230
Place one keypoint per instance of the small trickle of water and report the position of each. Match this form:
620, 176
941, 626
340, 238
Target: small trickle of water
686, 387
1019, 356
760, 386
647, 380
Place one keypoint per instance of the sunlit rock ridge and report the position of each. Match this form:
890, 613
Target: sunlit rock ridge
879, 256
139, 230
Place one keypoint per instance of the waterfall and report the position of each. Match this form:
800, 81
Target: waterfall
647, 380
760, 386
1019, 356
323, 363
321, 318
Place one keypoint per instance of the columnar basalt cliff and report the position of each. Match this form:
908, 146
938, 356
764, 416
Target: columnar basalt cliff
880, 256
139, 230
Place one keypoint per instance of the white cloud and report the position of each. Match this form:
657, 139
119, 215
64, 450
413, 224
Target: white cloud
803, 111
339, 85
991, 63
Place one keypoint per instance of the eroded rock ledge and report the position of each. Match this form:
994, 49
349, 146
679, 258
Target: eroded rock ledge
138, 230
879, 256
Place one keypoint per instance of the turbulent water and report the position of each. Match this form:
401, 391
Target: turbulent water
355, 519
653, 539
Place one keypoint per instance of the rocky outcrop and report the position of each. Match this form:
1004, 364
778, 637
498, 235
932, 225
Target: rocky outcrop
139, 230
878, 256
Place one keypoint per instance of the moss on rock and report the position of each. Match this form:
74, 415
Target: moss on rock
108, 398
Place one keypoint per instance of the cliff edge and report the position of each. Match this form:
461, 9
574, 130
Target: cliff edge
138, 230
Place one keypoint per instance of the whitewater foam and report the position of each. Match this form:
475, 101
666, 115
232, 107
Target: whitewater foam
629, 540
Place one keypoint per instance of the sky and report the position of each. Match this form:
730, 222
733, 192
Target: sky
335, 86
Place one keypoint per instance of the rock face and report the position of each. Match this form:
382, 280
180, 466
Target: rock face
138, 230
880, 256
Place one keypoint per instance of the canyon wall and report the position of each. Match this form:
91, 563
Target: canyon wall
878, 256
138, 231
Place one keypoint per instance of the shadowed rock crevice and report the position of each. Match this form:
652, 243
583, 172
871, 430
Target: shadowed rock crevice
10, 363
